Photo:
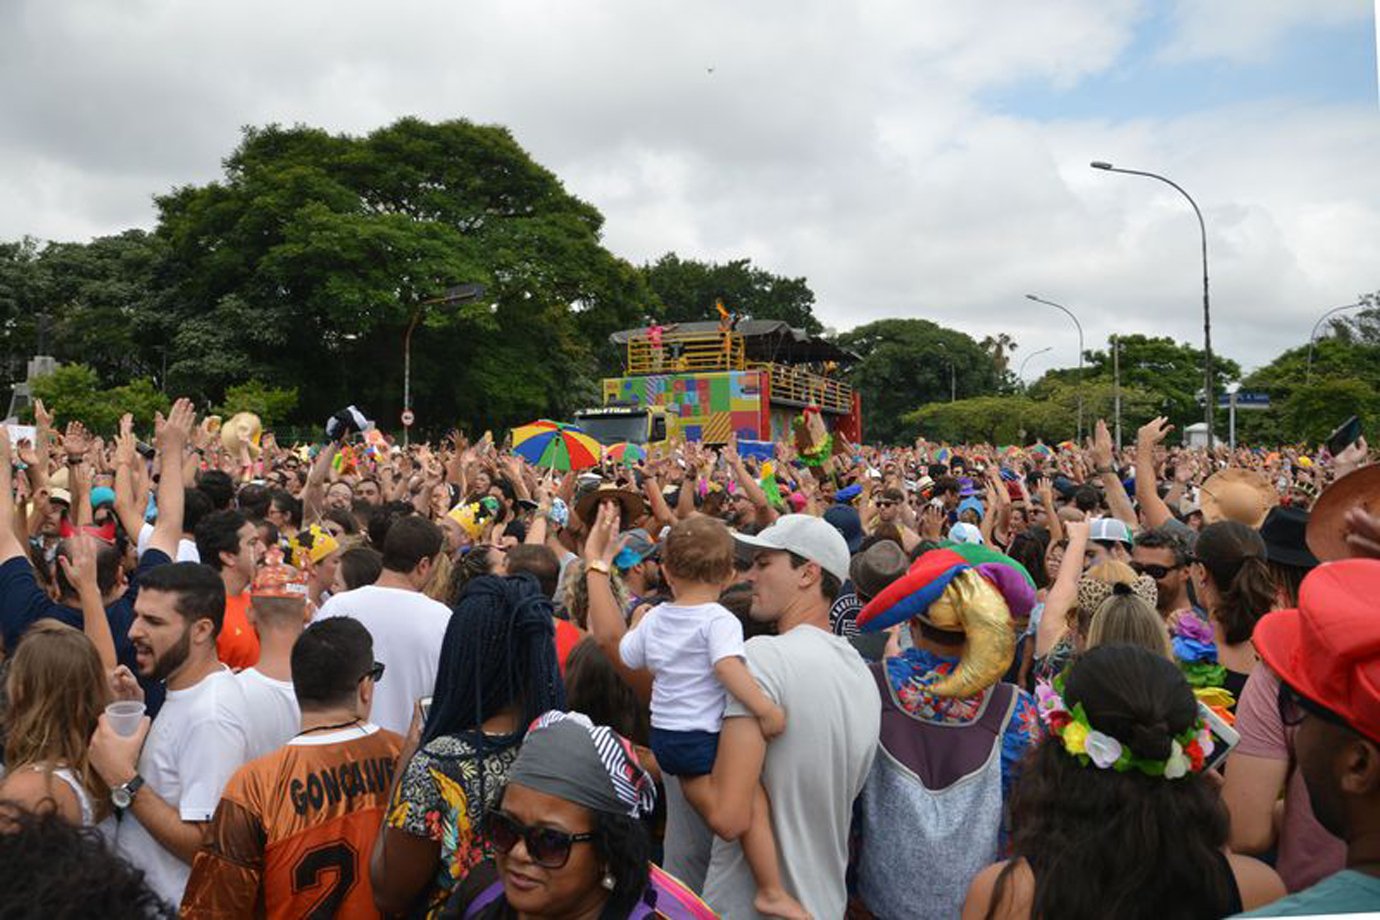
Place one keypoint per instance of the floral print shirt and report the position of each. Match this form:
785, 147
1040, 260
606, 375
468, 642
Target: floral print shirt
445, 791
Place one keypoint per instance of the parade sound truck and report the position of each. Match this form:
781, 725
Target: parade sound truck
701, 382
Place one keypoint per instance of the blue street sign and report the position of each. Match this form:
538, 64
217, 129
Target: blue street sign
1246, 400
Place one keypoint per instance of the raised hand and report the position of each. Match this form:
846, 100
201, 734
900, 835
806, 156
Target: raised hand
1153, 432
76, 441
1101, 446
602, 544
79, 564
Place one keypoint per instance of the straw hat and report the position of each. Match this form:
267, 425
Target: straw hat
246, 425
1238, 494
1327, 528
631, 505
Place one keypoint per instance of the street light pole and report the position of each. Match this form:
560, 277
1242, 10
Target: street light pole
1079, 326
459, 294
1313, 336
1116, 386
1021, 373
1208, 391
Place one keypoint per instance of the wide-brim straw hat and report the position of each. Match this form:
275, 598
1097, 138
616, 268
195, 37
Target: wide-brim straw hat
631, 505
1327, 528
1237, 494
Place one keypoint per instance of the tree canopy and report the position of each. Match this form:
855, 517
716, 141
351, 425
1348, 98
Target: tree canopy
686, 290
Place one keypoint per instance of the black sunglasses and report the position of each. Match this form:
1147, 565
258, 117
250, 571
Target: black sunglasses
885, 504
1154, 571
546, 846
375, 673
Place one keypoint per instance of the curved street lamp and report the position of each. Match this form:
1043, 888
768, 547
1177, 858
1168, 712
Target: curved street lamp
1210, 397
1021, 373
1313, 336
1079, 327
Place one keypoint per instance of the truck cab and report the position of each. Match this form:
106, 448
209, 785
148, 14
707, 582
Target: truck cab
630, 423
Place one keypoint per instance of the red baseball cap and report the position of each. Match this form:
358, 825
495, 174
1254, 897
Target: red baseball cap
1329, 648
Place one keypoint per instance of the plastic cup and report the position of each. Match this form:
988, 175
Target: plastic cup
124, 716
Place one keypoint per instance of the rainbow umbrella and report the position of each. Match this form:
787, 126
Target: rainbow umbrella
555, 445
625, 453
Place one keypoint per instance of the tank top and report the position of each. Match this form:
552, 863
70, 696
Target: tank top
88, 808
932, 804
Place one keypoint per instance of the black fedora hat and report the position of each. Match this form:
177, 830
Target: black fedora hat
1285, 533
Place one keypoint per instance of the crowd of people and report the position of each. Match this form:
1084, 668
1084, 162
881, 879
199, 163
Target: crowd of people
244, 678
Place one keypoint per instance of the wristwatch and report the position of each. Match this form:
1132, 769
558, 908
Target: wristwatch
122, 796
597, 565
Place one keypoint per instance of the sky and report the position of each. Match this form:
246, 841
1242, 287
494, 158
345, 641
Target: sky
909, 158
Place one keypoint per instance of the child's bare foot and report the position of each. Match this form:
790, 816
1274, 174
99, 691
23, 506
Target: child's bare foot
776, 903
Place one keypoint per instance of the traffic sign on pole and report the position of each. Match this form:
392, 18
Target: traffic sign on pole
408, 418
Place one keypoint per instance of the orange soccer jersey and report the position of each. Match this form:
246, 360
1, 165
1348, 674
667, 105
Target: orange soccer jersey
294, 829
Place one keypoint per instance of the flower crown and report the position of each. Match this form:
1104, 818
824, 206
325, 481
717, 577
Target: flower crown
1188, 751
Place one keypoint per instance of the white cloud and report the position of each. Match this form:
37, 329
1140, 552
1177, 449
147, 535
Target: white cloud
1249, 31
846, 143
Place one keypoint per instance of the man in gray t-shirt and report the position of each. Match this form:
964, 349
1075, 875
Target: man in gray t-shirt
817, 767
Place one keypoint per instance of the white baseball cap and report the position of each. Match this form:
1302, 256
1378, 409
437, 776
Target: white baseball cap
807, 536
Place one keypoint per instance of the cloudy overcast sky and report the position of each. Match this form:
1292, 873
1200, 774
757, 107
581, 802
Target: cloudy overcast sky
911, 159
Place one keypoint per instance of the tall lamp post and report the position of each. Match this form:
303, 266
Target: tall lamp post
1079, 326
1313, 336
463, 293
953, 373
1021, 373
1208, 392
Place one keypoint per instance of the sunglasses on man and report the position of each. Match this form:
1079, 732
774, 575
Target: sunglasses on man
1154, 571
546, 846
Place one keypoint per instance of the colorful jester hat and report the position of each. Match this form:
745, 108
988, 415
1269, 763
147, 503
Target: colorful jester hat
970, 589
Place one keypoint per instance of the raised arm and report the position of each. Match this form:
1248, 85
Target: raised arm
314, 493
1064, 593
79, 565
606, 622
171, 441
1151, 505
10, 545
1117, 499
129, 502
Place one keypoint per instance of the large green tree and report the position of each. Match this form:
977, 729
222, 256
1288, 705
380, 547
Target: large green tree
686, 290
305, 265
905, 363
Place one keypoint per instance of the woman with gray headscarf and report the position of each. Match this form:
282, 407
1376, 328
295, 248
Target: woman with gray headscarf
569, 837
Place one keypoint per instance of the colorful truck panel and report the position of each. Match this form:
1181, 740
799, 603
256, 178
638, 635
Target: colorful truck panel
710, 405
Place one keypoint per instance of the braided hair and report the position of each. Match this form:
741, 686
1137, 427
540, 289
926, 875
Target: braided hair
499, 650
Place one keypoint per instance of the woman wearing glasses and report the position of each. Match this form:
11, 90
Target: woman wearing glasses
496, 674
568, 834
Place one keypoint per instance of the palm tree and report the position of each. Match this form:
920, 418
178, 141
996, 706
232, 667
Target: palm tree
999, 350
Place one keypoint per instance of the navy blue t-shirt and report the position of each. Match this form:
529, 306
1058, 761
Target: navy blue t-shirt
23, 602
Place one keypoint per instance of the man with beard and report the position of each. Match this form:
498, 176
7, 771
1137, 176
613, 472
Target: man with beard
167, 785
1163, 555
639, 562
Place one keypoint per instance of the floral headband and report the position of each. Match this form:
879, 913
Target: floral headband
1188, 751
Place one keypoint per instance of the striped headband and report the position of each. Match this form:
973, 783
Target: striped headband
566, 755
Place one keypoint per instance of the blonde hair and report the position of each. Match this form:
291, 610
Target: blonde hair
1125, 619
575, 595
57, 692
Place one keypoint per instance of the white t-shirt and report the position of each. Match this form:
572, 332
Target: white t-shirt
680, 646
273, 706
186, 549
407, 627
813, 770
193, 748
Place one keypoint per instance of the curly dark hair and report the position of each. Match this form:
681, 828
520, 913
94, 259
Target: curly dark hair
49, 868
1107, 844
625, 846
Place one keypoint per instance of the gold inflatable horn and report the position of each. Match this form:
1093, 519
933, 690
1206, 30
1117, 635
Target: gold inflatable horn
972, 605
242, 426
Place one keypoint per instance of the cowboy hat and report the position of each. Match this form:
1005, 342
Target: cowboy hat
631, 505
244, 425
1327, 528
1237, 494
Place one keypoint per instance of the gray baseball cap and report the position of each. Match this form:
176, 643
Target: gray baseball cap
809, 537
